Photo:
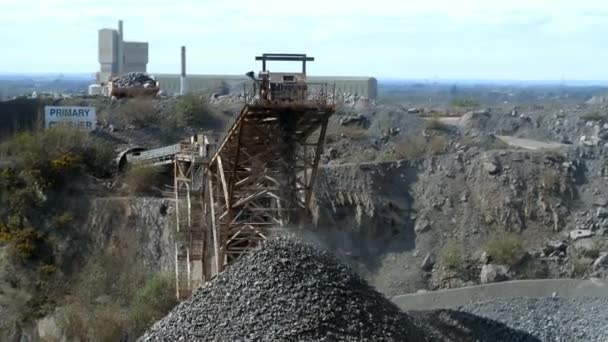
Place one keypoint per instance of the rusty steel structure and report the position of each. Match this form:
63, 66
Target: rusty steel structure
257, 180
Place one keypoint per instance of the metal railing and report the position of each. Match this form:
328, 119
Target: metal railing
263, 91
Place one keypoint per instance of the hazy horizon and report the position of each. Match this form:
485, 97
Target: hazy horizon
386, 39
10, 76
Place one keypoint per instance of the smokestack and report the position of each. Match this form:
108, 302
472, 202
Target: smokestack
121, 51
182, 79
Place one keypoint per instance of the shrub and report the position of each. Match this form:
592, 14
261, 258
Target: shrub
74, 321
581, 266
552, 181
464, 103
139, 112
108, 323
452, 256
63, 220
354, 132
23, 242
152, 302
51, 152
419, 146
193, 110
434, 123
505, 249
595, 116
142, 179
386, 156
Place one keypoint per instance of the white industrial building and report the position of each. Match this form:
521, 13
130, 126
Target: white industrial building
117, 56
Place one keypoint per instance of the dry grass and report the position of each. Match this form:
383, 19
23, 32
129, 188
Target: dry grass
505, 249
552, 181
434, 123
141, 180
581, 266
114, 295
140, 112
354, 132
419, 146
452, 256
595, 116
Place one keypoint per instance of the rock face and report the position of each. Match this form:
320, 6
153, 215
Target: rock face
147, 218
493, 273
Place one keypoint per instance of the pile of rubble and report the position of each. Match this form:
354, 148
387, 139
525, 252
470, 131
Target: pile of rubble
288, 291
134, 80
550, 319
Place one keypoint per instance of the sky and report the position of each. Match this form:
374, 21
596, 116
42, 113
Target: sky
428, 39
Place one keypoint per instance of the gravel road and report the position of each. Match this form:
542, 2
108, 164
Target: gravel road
550, 319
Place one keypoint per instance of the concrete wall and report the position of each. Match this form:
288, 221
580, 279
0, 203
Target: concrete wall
135, 56
112, 50
169, 84
108, 53
446, 299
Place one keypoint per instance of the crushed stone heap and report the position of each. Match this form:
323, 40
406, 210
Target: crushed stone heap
134, 80
288, 291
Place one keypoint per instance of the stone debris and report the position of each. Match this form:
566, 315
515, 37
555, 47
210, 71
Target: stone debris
358, 119
134, 80
288, 291
580, 234
422, 225
493, 273
601, 262
550, 319
492, 167
428, 263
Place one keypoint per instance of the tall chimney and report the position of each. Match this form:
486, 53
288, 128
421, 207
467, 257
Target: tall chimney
182, 80
121, 50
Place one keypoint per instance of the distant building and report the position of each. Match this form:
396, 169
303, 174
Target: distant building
366, 87
117, 57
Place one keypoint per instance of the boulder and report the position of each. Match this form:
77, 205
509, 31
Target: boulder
422, 225
492, 167
601, 262
484, 258
601, 202
580, 234
493, 273
552, 246
428, 263
601, 213
359, 119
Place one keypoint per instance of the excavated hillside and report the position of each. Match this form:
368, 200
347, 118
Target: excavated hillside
411, 203
393, 219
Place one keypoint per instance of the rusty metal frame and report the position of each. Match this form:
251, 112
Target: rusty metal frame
259, 181
190, 222
263, 175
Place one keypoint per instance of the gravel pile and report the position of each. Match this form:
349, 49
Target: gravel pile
288, 291
550, 319
134, 80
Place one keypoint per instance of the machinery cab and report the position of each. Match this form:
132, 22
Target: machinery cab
282, 86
